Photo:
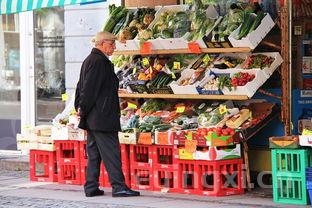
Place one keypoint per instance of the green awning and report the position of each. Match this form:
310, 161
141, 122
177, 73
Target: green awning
14, 6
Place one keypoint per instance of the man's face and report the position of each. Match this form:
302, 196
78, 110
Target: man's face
108, 47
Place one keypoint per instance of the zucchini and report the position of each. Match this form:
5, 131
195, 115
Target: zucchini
248, 21
115, 17
119, 26
257, 21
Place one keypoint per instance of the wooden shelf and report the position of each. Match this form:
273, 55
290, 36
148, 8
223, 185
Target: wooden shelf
180, 51
176, 96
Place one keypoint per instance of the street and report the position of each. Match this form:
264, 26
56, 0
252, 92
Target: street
17, 191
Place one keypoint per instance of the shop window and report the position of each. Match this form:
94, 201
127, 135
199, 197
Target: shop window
49, 63
10, 113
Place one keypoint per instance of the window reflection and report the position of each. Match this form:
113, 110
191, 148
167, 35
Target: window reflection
49, 63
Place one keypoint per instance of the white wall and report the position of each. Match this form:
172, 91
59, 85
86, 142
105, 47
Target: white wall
81, 24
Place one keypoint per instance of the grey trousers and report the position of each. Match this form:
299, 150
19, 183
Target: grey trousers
103, 146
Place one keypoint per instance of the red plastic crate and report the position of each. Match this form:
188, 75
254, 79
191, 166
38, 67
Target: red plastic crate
67, 151
220, 178
69, 174
126, 175
125, 156
141, 156
164, 157
165, 180
83, 152
83, 169
48, 160
142, 178
187, 177
124, 149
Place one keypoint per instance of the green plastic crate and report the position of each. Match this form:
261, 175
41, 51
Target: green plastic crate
288, 175
290, 190
291, 162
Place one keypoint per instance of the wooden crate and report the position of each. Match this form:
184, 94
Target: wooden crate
149, 3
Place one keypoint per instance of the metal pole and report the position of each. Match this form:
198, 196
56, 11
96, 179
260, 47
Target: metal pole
290, 63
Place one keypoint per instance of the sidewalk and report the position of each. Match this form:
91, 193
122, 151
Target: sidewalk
17, 191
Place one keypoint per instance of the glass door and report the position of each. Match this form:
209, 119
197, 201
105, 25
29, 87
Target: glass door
10, 105
49, 63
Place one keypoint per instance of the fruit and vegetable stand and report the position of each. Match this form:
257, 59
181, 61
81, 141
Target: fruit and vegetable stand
185, 72
218, 71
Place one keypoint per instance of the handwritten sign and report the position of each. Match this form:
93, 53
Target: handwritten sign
146, 48
64, 97
176, 65
132, 105
145, 61
180, 109
194, 47
190, 145
222, 109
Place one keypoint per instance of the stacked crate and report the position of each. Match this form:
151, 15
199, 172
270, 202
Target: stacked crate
83, 166
289, 175
141, 167
43, 166
68, 161
169, 167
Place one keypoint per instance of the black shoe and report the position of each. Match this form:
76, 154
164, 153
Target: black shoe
97, 192
125, 192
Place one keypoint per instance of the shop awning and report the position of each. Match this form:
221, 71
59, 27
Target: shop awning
14, 6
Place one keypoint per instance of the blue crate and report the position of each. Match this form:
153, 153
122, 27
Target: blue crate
310, 194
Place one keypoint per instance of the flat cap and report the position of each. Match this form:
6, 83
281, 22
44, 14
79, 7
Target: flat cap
100, 36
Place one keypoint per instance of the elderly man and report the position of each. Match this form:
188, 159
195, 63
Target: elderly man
98, 105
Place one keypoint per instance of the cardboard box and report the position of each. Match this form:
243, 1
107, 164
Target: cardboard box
284, 142
304, 124
255, 37
251, 87
219, 153
128, 138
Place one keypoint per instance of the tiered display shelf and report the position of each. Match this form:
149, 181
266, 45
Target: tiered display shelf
189, 96
183, 51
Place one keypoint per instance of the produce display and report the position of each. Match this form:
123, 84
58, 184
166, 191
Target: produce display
230, 22
250, 22
208, 119
226, 62
258, 61
126, 24
241, 79
204, 74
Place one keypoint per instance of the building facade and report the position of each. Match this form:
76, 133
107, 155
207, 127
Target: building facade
41, 53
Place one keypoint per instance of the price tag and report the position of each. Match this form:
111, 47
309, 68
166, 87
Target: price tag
194, 47
134, 70
162, 138
64, 97
145, 61
145, 138
180, 109
173, 75
146, 48
176, 65
222, 109
132, 105
190, 145
206, 59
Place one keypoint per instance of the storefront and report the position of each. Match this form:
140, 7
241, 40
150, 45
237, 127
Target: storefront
33, 73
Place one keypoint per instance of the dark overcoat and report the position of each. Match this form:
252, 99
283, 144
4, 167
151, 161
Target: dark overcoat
97, 94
